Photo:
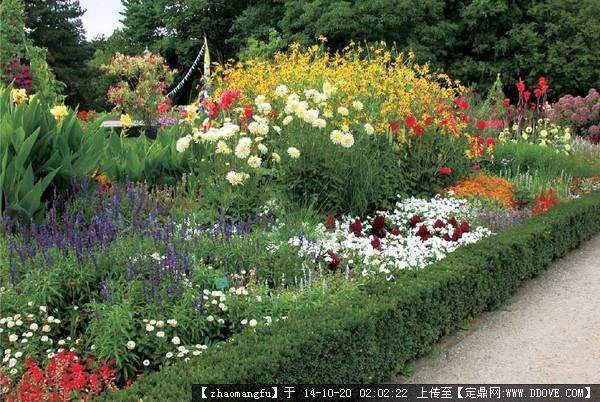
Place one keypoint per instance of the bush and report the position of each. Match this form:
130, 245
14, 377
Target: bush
365, 335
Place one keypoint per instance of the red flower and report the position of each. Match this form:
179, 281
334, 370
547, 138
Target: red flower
481, 125
273, 114
335, 260
521, 85
331, 222
214, 110
356, 227
228, 98
461, 103
457, 234
163, 107
506, 102
183, 114
452, 221
247, 113
422, 232
526, 95
537, 92
447, 237
376, 242
439, 224
464, 227
378, 227
396, 231
394, 126
476, 166
414, 220
418, 129
82, 115
410, 121
490, 142
445, 171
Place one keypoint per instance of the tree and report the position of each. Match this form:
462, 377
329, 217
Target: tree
56, 25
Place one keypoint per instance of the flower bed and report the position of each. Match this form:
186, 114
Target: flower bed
369, 333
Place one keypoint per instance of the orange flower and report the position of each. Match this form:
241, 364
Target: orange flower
484, 186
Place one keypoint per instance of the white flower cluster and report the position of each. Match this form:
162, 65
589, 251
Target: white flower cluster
404, 249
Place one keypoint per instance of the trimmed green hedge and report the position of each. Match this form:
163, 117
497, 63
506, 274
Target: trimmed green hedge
367, 334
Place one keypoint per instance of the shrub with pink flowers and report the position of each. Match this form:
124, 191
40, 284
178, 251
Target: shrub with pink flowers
582, 113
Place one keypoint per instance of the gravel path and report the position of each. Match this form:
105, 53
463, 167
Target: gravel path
548, 332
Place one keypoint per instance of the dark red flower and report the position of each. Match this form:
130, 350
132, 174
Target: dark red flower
439, 224
410, 121
445, 171
481, 125
521, 85
428, 120
331, 222
506, 102
273, 114
356, 227
418, 129
396, 231
214, 110
414, 220
394, 126
490, 142
378, 227
335, 260
447, 237
464, 227
423, 231
452, 221
82, 115
457, 234
376, 242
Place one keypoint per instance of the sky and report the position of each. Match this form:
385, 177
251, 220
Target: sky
101, 17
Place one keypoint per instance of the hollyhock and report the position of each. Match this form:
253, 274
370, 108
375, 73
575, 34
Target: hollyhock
356, 227
445, 171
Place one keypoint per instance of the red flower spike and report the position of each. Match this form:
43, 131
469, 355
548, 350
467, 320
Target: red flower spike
410, 121
247, 113
526, 96
356, 227
445, 171
520, 86
228, 98
481, 125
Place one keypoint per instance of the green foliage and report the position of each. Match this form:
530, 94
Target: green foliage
37, 151
390, 322
12, 31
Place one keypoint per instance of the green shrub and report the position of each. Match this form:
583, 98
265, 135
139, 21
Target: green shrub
367, 334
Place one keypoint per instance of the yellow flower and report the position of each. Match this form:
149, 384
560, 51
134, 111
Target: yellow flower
59, 112
126, 121
18, 96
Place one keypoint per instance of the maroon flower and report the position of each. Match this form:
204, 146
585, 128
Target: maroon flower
394, 126
356, 227
379, 226
439, 224
453, 222
423, 231
396, 231
457, 234
376, 243
447, 237
335, 260
414, 220
331, 222
464, 227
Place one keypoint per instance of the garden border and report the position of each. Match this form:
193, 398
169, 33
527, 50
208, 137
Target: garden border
369, 333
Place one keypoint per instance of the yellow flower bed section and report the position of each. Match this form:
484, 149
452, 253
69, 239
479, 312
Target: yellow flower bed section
382, 84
